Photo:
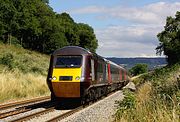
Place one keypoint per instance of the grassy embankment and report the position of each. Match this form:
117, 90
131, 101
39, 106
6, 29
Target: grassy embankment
22, 73
156, 100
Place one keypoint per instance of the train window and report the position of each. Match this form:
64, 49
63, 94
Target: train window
92, 70
100, 67
100, 71
68, 61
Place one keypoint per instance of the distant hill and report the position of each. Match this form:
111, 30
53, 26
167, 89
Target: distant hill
130, 62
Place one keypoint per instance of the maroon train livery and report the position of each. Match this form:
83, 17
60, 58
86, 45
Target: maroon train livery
75, 72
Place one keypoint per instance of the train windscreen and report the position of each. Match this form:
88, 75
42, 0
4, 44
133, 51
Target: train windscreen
68, 61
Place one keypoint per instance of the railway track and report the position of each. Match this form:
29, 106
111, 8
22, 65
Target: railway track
49, 109
36, 114
13, 112
62, 116
10, 105
67, 114
23, 108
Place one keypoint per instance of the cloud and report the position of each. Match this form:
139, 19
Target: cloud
128, 41
138, 36
88, 10
154, 13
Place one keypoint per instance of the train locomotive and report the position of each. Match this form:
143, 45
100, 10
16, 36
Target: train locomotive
77, 73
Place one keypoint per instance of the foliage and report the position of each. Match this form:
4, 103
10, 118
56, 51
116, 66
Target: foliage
157, 98
139, 69
170, 39
127, 103
7, 59
34, 25
25, 61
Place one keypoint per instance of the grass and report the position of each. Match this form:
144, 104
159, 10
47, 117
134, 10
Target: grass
13, 57
22, 73
16, 85
157, 99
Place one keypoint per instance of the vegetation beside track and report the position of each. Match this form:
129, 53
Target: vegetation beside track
157, 98
22, 73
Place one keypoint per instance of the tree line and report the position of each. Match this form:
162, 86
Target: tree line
34, 25
170, 39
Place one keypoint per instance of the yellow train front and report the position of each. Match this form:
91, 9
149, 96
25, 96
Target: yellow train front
75, 72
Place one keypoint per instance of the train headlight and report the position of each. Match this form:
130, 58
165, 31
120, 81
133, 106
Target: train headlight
77, 78
54, 78
82, 78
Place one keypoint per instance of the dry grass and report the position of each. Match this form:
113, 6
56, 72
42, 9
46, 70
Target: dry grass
157, 99
144, 93
148, 109
22, 73
16, 85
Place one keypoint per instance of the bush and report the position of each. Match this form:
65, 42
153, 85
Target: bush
128, 103
7, 60
139, 69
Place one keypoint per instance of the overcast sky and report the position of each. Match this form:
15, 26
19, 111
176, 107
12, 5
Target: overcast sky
124, 28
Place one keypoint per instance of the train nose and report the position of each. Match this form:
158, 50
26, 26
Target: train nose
66, 89
66, 82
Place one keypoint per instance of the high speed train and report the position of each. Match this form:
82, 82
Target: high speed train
77, 73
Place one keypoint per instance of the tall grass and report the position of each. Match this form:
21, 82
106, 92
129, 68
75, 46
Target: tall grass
16, 85
22, 73
157, 99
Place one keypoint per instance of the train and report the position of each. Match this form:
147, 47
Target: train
77, 73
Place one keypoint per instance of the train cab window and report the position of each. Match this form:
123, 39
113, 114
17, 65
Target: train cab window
68, 61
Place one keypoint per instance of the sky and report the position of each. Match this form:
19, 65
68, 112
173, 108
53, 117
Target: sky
123, 28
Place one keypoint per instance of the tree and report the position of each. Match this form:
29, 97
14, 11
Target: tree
8, 20
69, 27
34, 25
139, 69
170, 39
87, 37
45, 1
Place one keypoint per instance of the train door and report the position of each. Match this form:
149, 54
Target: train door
109, 74
107, 77
120, 74
124, 75
104, 72
92, 70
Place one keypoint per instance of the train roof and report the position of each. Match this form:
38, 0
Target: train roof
71, 50
110, 62
76, 50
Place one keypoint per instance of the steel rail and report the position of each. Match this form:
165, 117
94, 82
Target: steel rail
24, 118
10, 105
62, 116
13, 112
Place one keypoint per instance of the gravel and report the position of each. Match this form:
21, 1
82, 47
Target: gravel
102, 111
